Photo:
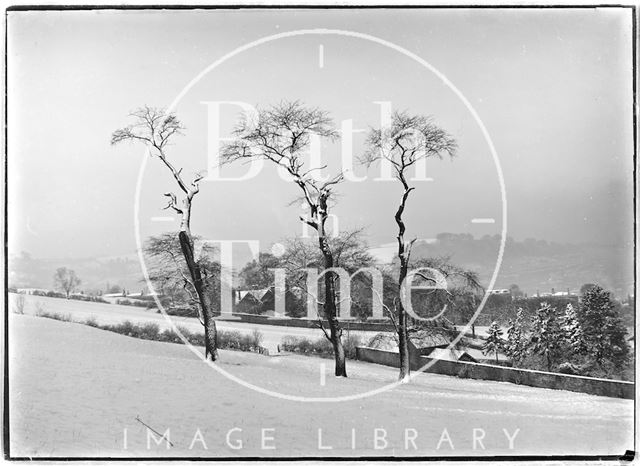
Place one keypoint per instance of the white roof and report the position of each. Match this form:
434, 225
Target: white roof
447, 354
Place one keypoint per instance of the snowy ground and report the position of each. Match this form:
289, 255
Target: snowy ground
116, 313
76, 390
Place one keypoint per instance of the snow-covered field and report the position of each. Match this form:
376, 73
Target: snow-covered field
116, 313
76, 390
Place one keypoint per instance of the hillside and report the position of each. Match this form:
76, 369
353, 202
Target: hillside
95, 273
534, 265
537, 265
76, 390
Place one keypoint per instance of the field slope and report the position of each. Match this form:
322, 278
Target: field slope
75, 389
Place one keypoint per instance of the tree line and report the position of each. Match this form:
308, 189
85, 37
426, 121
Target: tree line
585, 338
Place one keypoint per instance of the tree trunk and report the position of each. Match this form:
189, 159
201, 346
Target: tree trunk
473, 324
210, 333
330, 305
403, 338
403, 255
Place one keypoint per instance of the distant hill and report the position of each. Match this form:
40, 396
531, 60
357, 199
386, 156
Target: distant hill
534, 265
95, 273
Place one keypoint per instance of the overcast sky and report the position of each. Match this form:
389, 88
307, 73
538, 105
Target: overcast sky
553, 88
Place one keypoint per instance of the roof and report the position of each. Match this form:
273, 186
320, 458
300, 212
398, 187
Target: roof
449, 354
384, 341
478, 355
429, 338
257, 294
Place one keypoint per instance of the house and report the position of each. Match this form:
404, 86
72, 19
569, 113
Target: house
434, 343
262, 302
253, 301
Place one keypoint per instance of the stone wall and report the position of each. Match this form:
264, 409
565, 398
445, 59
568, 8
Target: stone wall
575, 383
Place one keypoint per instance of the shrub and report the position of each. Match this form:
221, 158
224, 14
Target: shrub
19, 304
91, 299
257, 337
170, 336
196, 339
228, 339
124, 328
350, 343
148, 331
235, 340
128, 302
181, 311
91, 322
50, 294
320, 346
288, 343
568, 368
41, 311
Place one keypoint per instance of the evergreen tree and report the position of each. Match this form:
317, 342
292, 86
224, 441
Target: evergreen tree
603, 330
494, 342
572, 330
546, 337
516, 345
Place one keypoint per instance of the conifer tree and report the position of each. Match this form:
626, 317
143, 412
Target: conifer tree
603, 331
516, 344
572, 330
494, 342
546, 337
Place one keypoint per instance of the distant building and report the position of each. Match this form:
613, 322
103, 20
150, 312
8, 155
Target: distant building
434, 343
259, 302
253, 301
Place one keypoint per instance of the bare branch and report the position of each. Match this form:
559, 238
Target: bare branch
156, 128
173, 203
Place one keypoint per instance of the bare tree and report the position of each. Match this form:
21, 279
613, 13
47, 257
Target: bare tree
407, 140
282, 135
169, 273
66, 280
156, 129
19, 304
350, 253
460, 295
